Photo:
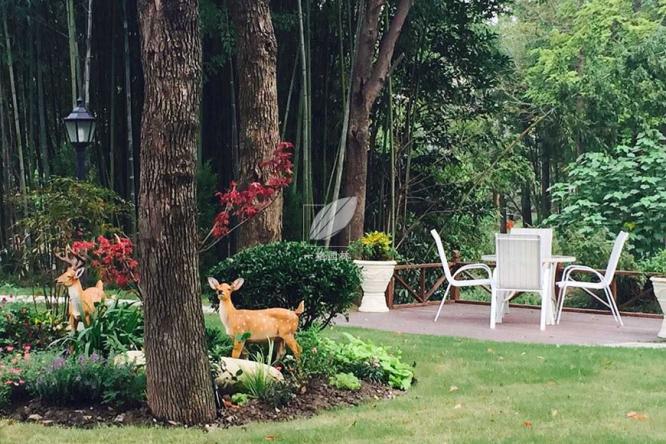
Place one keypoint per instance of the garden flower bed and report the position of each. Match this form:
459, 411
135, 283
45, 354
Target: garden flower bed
76, 379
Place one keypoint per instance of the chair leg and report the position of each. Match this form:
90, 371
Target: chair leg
563, 294
613, 305
542, 322
493, 308
441, 304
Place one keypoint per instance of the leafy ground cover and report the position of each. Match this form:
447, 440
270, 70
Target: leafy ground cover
467, 391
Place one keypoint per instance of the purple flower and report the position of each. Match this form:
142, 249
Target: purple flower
95, 358
57, 363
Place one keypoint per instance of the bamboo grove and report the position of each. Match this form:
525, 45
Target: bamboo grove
441, 114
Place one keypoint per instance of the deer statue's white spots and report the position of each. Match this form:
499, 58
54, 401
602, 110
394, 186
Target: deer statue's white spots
262, 325
81, 302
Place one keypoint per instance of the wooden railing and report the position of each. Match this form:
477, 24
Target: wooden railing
421, 282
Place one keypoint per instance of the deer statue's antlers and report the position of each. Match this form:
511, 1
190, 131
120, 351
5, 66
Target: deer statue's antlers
76, 262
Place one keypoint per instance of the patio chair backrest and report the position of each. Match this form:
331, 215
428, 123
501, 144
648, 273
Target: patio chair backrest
546, 235
615, 256
518, 262
442, 255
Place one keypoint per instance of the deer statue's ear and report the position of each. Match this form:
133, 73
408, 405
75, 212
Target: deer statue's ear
213, 283
238, 283
79, 272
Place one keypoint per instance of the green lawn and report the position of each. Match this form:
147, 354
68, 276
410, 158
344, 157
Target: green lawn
467, 391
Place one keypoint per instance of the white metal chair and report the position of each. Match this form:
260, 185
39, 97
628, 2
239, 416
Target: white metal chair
546, 235
451, 278
604, 283
518, 269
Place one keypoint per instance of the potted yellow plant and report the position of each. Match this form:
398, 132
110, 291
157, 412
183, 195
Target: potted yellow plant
657, 265
375, 256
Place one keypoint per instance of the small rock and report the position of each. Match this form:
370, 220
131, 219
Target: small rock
35, 417
87, 417
119, 418
173, 423
47, 422
134, 357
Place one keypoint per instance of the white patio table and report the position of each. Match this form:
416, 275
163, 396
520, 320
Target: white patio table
551, 264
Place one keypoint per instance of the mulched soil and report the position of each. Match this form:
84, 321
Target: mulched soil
315, 396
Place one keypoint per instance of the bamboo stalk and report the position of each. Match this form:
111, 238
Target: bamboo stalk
86, 73
17, 124
128, 105
71, 32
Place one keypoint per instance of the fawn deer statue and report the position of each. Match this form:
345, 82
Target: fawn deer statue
270, 324
81, 302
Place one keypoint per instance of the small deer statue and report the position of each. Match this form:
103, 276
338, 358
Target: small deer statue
80, 301
262, 325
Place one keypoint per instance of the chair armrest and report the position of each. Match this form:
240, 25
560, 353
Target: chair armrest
469, 267
580, 268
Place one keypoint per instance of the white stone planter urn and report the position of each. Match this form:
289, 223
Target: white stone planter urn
659, 285
376, 276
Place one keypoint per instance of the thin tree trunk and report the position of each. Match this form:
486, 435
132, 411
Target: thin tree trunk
128, 110
367, 82
6, 177
343, 237
526, 205
112, 103
258, 109
71, 30
86, 72
179, 385
545, 179
41, 109
17, 124
306, 146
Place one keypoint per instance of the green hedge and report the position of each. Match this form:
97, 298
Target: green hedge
283, 274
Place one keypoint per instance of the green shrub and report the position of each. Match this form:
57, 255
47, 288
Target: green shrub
316, 357
240, 398
345, 381
74, 380
283, 274
219, 344
594, 249
655, 264
113, 329
79, 380
22, 324
278, 394
356, 354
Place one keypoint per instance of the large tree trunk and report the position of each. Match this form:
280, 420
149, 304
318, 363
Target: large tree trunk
256, 50
367, 82
179, 382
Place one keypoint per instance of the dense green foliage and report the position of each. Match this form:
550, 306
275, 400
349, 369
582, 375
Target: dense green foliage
283, 274
364, 360
22, 325
71, 381
624, 189
656, 264
112, 329
345, 381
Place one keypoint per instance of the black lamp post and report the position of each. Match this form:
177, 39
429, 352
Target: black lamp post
80, 126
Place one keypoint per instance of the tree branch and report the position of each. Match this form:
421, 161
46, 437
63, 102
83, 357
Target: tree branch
386, 48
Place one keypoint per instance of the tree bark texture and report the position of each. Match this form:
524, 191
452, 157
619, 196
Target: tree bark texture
367, 82
256, 52
179, 383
